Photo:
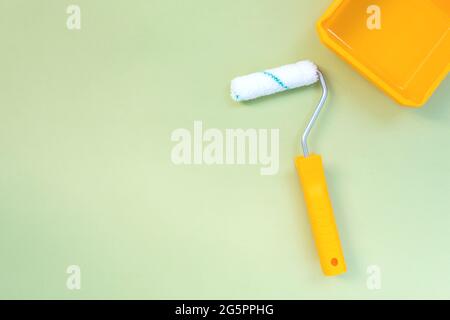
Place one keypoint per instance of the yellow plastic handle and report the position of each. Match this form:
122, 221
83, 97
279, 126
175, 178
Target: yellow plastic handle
320, 211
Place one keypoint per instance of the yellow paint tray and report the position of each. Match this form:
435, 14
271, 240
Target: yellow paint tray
407, 55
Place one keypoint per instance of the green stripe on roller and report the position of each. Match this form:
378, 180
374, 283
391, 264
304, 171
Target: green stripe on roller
276, 79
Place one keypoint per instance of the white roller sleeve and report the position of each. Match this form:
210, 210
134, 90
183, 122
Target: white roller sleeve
302, 73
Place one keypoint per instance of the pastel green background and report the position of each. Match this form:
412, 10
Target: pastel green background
86, 175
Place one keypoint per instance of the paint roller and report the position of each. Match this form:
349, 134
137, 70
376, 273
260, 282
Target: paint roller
309, 166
